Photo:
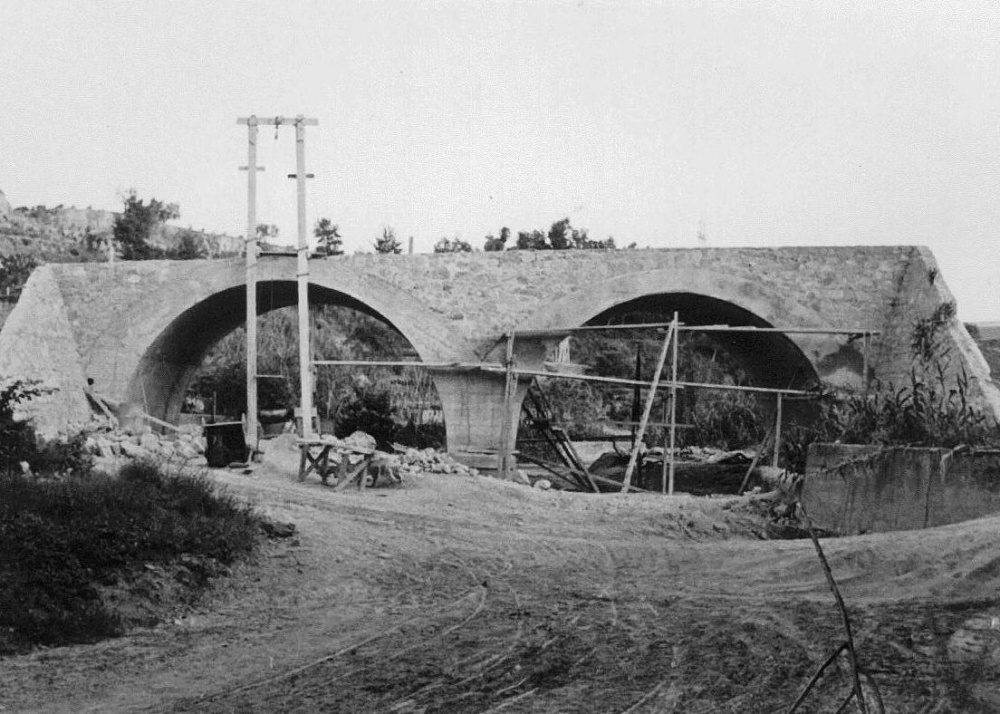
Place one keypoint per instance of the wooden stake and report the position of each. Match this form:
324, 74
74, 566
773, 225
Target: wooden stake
627, 481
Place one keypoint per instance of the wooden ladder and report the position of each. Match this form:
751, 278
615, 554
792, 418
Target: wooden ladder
539, 412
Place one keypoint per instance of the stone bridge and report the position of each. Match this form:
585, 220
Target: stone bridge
141, 329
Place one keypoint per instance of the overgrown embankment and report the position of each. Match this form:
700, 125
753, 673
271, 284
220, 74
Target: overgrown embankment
88, 555
85, 555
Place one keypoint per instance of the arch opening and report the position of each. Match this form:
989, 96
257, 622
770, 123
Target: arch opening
707, 418
199, 359
770, 359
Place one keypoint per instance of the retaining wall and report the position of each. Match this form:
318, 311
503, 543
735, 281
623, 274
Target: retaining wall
852, 489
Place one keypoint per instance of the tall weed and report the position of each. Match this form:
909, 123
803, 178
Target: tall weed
921, 413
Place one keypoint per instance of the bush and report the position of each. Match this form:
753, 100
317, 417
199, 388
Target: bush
61, 456
17, 438
370, 410
920, 414
61, 540
727, 420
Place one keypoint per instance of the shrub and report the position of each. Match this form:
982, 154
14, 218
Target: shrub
61, 456
17, 437
61, 540
369, 409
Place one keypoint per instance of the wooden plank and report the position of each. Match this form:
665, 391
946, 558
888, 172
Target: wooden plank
555, 469
756, 458
160, 422
709, 328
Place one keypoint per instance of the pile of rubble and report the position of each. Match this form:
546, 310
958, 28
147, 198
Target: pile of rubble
414, 461
186, 444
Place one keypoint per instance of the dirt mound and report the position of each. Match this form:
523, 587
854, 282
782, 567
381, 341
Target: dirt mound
455, 594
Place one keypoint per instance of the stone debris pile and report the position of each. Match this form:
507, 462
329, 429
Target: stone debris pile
186, 444
414, 461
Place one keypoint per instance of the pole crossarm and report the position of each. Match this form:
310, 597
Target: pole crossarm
277, 121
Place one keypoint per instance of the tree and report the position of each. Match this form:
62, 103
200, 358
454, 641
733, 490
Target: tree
266, 231
454, 245
14, 271
494, 244
138, 222
328, 238
562, 236
190, 246
388, 244
535, 240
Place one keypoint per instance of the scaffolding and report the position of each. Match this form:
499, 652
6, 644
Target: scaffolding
674, 328
539, 412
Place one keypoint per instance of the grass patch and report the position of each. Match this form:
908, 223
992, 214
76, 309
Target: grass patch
64, 542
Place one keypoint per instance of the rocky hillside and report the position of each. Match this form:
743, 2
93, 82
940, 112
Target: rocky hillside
68, 234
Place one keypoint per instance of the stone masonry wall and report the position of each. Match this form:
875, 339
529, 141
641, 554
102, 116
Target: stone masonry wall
454, 307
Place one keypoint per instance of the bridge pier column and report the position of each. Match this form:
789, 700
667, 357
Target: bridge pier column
473, 405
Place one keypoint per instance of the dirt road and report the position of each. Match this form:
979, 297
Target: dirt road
459, 594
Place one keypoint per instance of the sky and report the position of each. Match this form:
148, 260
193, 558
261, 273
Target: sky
671, 124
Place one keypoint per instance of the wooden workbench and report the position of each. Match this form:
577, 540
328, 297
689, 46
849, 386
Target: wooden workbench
327, 456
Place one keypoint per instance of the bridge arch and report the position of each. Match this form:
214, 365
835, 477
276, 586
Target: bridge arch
166, 367
705, 297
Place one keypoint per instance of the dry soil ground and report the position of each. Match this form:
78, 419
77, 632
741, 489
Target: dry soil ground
459, 594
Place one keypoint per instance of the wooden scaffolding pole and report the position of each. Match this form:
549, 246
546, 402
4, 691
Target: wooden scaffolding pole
507, 422
627, 481
777, 430
673, 402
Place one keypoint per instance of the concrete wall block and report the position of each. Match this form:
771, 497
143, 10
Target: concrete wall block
967, 487
898, 488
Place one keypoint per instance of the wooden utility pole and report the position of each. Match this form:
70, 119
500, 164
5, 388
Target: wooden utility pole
302, 273
250, 250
